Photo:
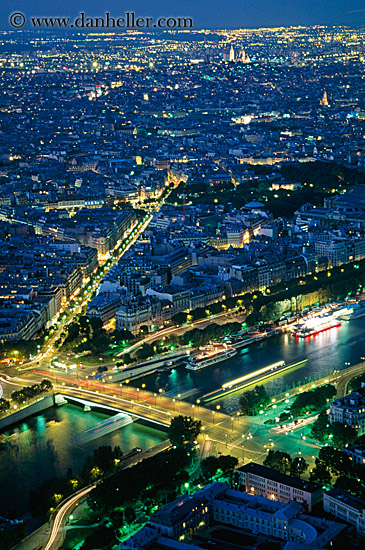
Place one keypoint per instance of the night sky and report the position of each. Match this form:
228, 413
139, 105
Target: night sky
205, 13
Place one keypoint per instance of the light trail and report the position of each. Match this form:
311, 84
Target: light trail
7, 379
113, 398
62, 513
253, 374
253, 378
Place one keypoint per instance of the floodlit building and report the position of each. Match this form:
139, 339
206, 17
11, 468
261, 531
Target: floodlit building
349, 410
260, 480
346, 507
174, 524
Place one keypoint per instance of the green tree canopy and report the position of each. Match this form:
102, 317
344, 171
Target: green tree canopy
342, 435
278, 460
183, 429
252, 401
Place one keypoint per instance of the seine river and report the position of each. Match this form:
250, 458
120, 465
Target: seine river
324, 352
45, 446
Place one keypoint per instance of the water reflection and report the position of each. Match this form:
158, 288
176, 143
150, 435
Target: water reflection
324, 352
43, 447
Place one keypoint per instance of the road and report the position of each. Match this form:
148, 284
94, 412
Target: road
76, 303
347, 376
158, 335
227, 434
247, 438
56, 533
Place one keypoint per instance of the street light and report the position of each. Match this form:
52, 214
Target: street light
213, 413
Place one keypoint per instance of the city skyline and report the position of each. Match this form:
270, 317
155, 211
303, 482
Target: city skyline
182, 285
212, 15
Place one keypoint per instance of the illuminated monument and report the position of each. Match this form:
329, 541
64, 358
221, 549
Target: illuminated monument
231, 54
324, 100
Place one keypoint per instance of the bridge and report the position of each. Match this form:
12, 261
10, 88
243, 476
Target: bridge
108, 403
344, 377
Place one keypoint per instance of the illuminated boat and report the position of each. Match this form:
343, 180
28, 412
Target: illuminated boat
352, 312
317, 325
210, 357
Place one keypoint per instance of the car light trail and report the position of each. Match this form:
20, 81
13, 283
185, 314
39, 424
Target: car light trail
62, 513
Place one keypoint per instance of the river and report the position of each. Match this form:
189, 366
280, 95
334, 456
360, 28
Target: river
45, 446
324, 352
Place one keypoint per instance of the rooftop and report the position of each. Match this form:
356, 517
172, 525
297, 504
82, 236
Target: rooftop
274, 475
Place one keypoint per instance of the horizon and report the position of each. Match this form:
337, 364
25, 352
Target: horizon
251, 14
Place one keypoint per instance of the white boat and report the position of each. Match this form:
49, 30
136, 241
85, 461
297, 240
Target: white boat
353, 312
209, 358
87, 408
319, 324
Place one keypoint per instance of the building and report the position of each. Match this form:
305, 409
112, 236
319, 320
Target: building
356, 453
142, 311
349, 410
104, 306
231, 54
346, 507
217, 503
260, 480
180, 298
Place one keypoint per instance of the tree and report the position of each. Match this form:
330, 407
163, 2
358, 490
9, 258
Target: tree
320, 427
179, 318
341, 434
145, 352
46, 385
334, 460
349, 484
96, 324
298, 466
129, 515
320, 475
253, 401
107, 458
117, 519
101, 537
127, 359
227, 463
313, 400
4, 405
209, 467
278, 461
183, 429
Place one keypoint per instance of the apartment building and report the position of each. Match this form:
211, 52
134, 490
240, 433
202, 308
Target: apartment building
263, 481
346, 507
349, 410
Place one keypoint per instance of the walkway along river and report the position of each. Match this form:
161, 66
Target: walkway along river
334, 349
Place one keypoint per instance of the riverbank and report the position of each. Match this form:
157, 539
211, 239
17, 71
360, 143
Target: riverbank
44, 446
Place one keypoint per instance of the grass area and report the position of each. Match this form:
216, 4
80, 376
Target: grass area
75, 538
